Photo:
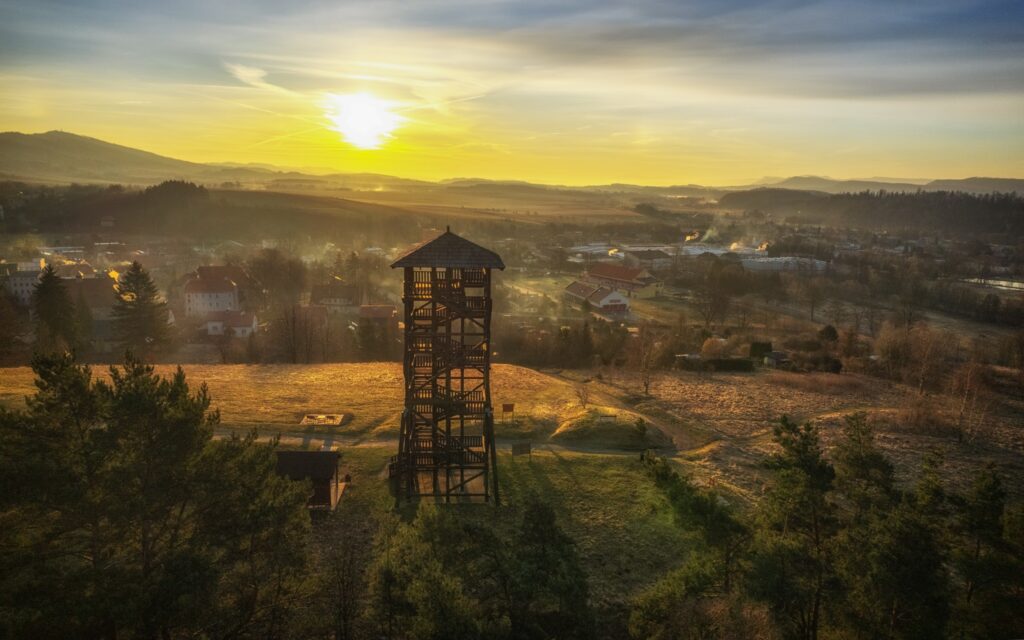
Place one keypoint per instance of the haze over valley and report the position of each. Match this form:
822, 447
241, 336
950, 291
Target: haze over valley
512, 319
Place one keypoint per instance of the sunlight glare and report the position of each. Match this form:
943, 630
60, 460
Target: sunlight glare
363, 120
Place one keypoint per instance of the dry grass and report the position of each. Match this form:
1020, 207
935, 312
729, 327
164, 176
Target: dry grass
277, 396
720, 424
741, 405
821, 383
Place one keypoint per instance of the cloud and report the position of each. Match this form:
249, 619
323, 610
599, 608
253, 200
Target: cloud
253, 76
727, 81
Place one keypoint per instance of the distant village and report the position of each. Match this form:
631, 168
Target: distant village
311, 301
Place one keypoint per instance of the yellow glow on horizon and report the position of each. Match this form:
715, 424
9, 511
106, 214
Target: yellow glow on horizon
363, 127
363, 120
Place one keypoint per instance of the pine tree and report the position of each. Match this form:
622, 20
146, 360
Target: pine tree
891, 567
989, 570
83, 324
864, 476
54, 313
791, 569
139, 314
131, 521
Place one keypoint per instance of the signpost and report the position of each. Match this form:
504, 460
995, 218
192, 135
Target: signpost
522, 449
507, 408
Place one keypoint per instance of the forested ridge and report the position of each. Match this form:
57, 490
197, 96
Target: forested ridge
951, 211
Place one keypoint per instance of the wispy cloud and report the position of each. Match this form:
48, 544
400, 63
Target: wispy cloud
253, 76
736, 82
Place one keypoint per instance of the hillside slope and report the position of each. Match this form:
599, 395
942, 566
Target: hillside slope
58, 156
61, 156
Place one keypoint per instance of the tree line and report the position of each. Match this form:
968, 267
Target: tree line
836, 549
123, 517
950, 211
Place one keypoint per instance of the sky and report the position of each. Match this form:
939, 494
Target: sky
715, 92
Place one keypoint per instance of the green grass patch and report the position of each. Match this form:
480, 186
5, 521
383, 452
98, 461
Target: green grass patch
610, 427
622, 524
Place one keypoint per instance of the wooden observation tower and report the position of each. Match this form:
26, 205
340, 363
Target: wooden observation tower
446, 447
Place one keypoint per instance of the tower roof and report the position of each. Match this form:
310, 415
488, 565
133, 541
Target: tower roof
450, 250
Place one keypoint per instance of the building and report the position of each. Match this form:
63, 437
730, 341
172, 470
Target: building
602, 299
74, 270
20, 285
97, 294
384, 316
212, 288
231, 272
647, 259
784, 263
319, 468
593, 251
238, 324
632, 282
207, 295
337, 297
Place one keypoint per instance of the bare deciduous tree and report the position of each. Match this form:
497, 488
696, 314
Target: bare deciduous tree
968, 384
583, 394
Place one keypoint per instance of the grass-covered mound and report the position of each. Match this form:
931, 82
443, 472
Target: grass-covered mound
609, 428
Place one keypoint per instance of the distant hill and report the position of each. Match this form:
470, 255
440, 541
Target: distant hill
979, 185
970, 185
816, 183
773, 199
58, 156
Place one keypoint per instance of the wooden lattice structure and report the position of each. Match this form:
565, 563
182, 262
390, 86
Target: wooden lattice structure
446, 446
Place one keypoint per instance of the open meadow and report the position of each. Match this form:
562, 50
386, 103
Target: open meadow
274, 398
717, 426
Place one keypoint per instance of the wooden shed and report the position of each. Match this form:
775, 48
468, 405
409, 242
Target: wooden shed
320, 468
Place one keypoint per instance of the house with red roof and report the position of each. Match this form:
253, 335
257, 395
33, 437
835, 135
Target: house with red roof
632, 282
602, 299
204, 296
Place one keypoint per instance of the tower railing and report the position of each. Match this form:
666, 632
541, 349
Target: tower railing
446, 442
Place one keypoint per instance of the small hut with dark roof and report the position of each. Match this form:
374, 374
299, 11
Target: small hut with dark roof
320, 468
446, 443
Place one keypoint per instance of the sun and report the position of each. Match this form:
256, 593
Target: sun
362, 119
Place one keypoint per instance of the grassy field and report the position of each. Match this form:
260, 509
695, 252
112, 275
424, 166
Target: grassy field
721, 424
621, 523
718, 427
275, 397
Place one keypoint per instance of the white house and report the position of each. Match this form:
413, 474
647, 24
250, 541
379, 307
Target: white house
207, 295
240, 324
